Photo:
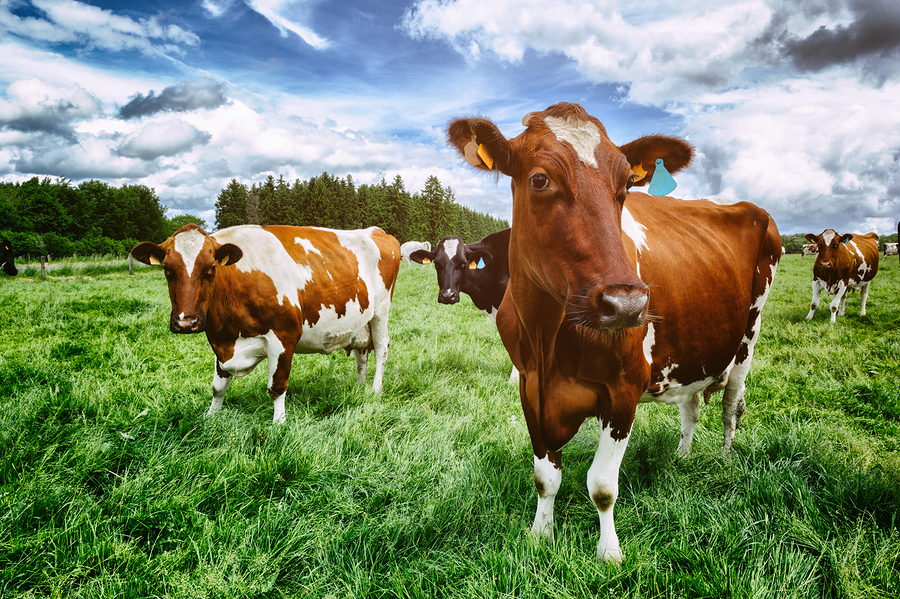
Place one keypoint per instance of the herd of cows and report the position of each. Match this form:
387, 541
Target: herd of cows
600, 303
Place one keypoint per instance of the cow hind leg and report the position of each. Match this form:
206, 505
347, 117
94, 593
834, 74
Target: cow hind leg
362, 365
603, 486
690, 414
863, 296
221, 381
380, 341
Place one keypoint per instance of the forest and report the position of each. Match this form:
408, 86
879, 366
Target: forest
58, 218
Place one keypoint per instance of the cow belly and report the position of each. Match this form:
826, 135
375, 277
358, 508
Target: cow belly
671, 391
333, 331
248, 352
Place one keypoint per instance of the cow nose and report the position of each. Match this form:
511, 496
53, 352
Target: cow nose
185, 324
448, 296
622, 309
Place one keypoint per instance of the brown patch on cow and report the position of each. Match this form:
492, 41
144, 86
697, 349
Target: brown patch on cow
389, 263
539, 485
603, 500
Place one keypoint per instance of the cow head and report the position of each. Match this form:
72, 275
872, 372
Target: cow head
452, 259
569, 186
829, 244
190, 259
7, 259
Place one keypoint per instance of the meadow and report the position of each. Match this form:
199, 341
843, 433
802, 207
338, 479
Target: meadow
114, 484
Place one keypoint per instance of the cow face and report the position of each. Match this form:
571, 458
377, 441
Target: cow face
569, 185
7, 259
190, 260
452, 261
829, 245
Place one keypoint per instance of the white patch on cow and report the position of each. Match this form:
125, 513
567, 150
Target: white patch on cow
635, 231
263, 252
649, 340
189, 244
828, 235
450, 247
603, 487
583, 135
547, 479
307, 245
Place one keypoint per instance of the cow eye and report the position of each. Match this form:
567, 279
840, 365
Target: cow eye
211, 271
630, 183
539, 181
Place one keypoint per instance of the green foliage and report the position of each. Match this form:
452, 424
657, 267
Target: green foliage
176, 222
112, 483
327, 201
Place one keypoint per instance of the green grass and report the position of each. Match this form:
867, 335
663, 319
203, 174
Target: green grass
113, 484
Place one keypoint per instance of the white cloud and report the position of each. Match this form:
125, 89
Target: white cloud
284, 15
166, 138
33, 105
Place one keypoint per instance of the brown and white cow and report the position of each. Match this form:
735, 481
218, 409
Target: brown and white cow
809, 249
843, 262
890, 249
617, 297
270, 292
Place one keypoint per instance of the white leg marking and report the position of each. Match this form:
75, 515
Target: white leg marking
514, 376
863, 296
279, 416
603, 486
219, 387
380, 340
362, 365
547, 479
690, 413
837, 303
816, 293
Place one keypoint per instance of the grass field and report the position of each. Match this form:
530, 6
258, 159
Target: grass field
113, 484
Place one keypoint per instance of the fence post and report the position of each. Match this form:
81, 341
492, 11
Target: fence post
130, 264
43, 274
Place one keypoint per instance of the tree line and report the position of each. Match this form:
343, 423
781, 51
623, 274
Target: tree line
335, 203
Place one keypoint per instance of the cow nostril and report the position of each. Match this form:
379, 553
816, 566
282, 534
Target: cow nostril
621, 310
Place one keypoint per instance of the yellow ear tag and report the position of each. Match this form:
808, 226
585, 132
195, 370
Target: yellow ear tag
482, 151
472, 265
224, 261
471, 154
639, 172
426, 261
153, 260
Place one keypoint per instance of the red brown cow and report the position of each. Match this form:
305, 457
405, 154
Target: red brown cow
843, 262
617, 297
271, 292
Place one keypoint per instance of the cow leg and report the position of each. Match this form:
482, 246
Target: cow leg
547, 478
279, 373
863, 296
514, 376
221, 380
837, 304
816, 295
362, 365
380, 340
603, 486
690, 414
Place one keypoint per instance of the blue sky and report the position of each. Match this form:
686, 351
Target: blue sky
791, 105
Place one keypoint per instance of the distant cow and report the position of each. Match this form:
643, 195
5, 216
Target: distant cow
480, 270
617, 297
271, 292
7, 259
890, 249
809, 249
843, 262
410, 246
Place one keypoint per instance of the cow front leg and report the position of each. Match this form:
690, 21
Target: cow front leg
816, 297
380, 342
603, 486
863, 296
362, 365
279, 374
221, 381
547, 478
690, 414
837, 303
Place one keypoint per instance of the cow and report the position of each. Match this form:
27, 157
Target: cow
410, 246
616, 297
480, 270
843, 262
273, 291
7, 259
809, 249
890, 249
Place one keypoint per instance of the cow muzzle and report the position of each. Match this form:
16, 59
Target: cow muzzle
187, 324
618, 307
448, 296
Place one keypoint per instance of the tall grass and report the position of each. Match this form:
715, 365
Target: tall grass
113, 484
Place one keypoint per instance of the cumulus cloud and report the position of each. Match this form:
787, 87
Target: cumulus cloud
34, 106
168, 138
182, 97
67, 21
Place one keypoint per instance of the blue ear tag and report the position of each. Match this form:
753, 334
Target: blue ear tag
662, 182
480, 263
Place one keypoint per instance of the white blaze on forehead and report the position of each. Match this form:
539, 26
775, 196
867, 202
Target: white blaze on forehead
583, 135
828, 236
451, 246
307, 245
189, 244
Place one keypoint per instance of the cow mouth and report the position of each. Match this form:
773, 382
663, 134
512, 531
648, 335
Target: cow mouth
608, 311
187, 325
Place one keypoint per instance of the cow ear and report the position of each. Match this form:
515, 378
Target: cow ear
422, 256
228, 254
643, 152
480, 142
478, 259
846, 237
812, 238
148, 253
